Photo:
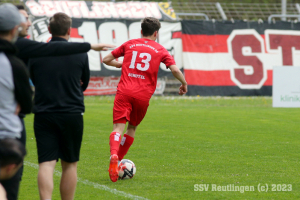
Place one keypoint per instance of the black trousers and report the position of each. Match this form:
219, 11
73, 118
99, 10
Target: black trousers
11, 185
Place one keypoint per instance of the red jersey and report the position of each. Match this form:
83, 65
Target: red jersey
142, 58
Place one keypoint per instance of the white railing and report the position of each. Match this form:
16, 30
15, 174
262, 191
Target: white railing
235, 11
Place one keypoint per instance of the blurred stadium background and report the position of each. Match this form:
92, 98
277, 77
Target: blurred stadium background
225, 10
237, 140
233, 9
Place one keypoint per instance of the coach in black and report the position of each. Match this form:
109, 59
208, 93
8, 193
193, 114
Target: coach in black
58, 107
32, 49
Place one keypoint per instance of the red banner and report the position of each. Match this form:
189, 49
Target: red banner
102, 86
237, 58
108, 85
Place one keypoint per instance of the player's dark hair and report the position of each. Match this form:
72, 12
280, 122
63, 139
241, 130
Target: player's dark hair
60, 24
12, 151
150, 25
20, 7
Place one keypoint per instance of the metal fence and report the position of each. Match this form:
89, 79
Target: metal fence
235, 11
191, 9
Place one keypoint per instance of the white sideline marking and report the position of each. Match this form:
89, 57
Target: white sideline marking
207, 97
95, 185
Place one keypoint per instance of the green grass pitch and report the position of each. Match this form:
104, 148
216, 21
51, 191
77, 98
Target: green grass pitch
183, 142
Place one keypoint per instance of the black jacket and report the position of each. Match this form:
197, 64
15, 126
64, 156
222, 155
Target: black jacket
57, 82
22, 89
32, 49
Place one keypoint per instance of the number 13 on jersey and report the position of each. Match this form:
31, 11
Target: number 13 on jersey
146, 57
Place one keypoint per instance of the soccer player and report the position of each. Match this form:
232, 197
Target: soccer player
59, 107
142, 58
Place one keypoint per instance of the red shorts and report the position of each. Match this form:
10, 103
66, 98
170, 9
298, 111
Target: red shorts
129, 109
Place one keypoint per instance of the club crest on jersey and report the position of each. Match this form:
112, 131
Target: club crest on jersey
146, 42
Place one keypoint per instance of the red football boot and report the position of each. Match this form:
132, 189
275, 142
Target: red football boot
113, 168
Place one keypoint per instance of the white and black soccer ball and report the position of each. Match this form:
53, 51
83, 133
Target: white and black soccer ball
127, 169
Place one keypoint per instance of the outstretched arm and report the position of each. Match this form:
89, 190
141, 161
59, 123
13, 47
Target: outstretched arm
109, 60
179, 76
32, 49
101, 47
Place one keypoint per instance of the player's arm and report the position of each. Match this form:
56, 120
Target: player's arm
85, 77
32, 49
179, 76
110, 60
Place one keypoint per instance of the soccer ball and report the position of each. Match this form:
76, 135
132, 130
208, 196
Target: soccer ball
127, 169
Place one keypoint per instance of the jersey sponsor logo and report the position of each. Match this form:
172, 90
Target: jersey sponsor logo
146, 45
136, 76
